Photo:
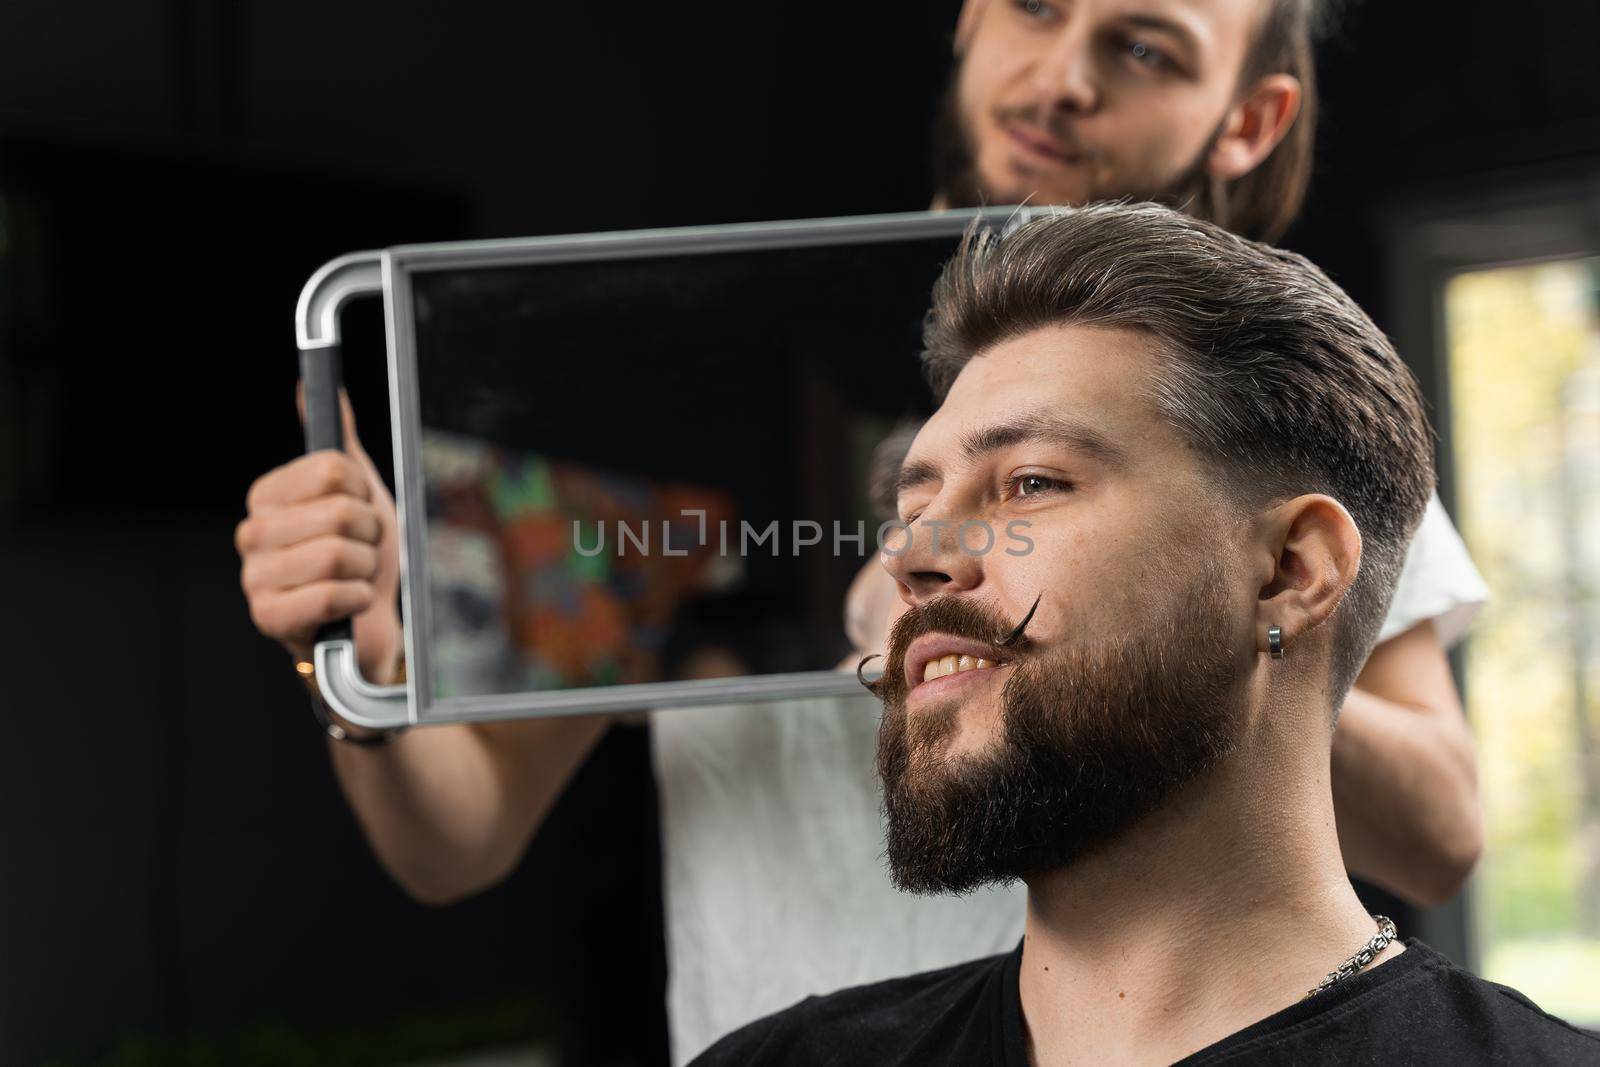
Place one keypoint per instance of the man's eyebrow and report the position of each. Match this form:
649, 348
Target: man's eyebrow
1051, 429
914, 474
1161, 24
976, 444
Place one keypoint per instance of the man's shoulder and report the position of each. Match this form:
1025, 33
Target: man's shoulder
889, 1022
1425, 1009
1508, 1026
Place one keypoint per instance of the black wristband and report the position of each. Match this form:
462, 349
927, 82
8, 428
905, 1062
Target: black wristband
324, 716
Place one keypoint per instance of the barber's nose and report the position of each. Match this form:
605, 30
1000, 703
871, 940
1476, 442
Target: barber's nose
931, 559
1064, 78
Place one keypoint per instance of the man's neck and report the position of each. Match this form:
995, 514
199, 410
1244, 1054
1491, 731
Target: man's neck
1219, 910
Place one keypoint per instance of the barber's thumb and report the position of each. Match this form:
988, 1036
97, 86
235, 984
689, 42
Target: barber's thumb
347, 418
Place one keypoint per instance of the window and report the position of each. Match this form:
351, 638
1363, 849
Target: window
1521, 346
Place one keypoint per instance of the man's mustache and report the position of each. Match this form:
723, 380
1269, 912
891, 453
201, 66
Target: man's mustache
957, 617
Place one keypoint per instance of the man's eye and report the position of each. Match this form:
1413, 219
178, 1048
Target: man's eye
1146, 55
1034, 484
1035, 8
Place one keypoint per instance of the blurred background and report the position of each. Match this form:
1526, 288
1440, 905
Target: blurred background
182, 882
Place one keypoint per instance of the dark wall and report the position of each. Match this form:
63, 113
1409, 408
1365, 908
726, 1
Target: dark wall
180, 866
1427, 99
183, 885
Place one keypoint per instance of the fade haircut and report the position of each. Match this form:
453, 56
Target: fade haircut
1277, 380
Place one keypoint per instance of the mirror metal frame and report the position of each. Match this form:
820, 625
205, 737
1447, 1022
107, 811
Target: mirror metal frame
390, 273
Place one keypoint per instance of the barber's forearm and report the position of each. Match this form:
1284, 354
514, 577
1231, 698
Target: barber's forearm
1406, 798
449, 810
427, 803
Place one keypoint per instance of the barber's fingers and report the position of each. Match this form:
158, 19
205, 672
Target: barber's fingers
319, 543
869, 608
377, 489
352, 439
309, 477
357, 468
338, 516
292, 616
347, 421
347, 414
329, 556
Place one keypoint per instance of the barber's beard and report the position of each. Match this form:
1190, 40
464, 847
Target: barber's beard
1093, 738
957, 182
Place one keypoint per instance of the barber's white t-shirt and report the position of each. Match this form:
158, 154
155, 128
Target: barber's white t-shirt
775, 882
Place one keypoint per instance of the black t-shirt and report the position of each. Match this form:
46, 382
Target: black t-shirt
1418, 1008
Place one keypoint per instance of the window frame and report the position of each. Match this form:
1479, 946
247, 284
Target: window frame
1503, 220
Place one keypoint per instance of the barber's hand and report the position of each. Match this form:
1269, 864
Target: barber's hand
871, 608
321, 542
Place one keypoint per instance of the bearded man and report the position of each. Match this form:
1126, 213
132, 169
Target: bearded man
1218, 461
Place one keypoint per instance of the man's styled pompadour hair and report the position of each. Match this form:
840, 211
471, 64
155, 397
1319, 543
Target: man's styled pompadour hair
1270, 372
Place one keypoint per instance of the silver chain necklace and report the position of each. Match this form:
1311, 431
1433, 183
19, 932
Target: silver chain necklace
1355, 964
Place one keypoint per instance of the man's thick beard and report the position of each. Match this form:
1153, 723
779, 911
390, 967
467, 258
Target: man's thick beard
957, 184
1093, 739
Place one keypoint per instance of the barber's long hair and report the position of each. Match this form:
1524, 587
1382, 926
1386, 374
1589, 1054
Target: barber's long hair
1264, 203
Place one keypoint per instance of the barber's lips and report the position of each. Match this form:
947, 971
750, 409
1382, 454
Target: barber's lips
1038, 146
937, 664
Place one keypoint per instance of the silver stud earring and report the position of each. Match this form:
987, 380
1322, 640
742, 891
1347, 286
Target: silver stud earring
1275, 641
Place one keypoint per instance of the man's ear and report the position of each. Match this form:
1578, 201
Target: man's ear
1315, 551
967, 22
1253, 127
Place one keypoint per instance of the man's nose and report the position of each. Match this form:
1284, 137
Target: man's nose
1065, 78
936, 555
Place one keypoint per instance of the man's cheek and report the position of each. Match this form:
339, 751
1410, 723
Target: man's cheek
1042, 572
978, 93
970, 96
